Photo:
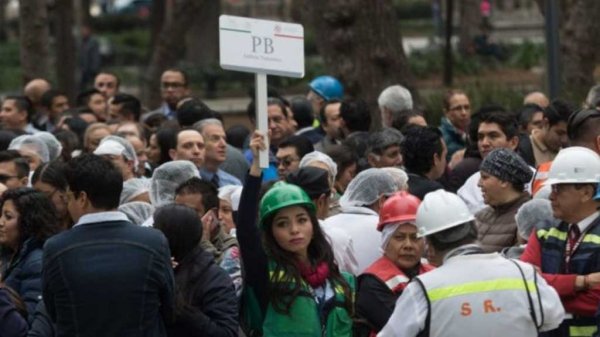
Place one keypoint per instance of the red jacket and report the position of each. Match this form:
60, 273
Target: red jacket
584, 303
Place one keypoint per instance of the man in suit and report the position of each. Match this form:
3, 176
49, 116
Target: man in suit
105, 275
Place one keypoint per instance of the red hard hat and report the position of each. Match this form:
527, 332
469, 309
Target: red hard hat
400, 207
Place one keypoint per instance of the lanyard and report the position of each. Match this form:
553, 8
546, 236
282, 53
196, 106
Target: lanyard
570, 251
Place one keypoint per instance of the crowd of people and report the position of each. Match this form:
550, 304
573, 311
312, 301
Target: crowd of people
118, 220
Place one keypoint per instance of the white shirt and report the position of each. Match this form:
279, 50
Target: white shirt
101, 217
343, 248
585, 223
360, 224
410, 312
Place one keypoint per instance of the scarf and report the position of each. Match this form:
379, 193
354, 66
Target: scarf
315, 276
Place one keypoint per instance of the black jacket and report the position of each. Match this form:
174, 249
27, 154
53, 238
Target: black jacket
212, 308
23, 273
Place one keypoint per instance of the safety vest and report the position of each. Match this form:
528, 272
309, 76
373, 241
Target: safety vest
540, 176
303, 319
387, 272
585, 260
472, 295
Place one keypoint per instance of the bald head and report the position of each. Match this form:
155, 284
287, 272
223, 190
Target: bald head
35, 88
538, 98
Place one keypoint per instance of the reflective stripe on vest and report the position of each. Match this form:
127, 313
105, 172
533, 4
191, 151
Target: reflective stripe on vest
562, 236
540, 176
479, 287
471, 295
387, 272
582, 331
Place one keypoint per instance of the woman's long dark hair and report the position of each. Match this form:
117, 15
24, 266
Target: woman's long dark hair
183, 229
283, 292
37, 215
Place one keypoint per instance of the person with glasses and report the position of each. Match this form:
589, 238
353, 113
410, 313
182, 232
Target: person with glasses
568, 254
14, 169
455, 123
173, 88
50, 179
289, 153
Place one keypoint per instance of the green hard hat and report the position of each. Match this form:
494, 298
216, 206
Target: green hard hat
283, 195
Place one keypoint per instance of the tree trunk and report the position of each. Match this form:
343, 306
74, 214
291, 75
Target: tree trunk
361, 45
579, 38
202, 40
157, 19
34, 37
169, 47
202, 46
86, 18
63, 18
3, 20
470, 20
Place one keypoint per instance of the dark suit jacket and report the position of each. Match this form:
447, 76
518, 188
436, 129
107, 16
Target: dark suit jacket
108, 279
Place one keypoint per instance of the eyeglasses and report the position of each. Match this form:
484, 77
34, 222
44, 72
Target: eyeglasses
559, 188
577, 119
287, 161
4, 178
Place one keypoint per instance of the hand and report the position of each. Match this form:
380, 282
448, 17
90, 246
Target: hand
208, 224
257, 143
174, 263
593, 280
456, 158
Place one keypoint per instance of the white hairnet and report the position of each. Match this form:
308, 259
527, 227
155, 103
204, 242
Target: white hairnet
30, 144
532, 213
320, 157
54, 146
132, 188
367, 187
167, 177
137, 211
231, 193
122, 146
399, 176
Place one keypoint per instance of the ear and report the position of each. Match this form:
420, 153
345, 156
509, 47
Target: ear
24, 181
513, 143
172, 154
83, 200
597, 143
372, 159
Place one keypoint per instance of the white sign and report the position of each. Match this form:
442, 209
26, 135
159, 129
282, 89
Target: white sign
261, 46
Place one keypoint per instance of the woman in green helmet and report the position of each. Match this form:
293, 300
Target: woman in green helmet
292, 287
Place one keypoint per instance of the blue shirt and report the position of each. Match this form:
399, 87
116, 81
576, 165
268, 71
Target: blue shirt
224, 177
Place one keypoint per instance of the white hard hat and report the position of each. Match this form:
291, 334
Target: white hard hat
441, 210
574, 165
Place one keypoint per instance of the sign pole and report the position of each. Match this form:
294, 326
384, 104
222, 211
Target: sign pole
262, 118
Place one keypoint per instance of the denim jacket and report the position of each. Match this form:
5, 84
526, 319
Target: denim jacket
108, 278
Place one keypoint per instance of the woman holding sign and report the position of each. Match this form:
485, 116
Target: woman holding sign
293, 286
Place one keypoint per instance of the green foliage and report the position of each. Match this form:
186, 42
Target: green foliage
412, 9
527, 55
118, 23
9, 54
129, 47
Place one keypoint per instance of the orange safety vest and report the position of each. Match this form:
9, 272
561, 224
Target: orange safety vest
540, 176
387, 272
